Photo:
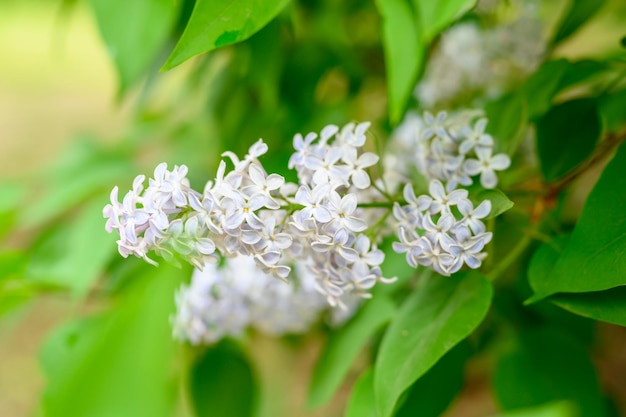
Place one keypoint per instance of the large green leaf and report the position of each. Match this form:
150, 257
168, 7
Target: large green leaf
541, 87
435, 16
343, 347
222, 383
123, 367
404, 53
432, 394
608, 305
134, 33
612, 109
362, 401
577, 14
566, 136
75, 254
507, 121
594, 258
217, 23
430, 322
548, 366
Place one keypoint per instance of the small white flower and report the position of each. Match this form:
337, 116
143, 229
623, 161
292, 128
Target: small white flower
486, 165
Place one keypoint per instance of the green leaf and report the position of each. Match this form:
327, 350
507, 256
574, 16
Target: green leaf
594, 259
556, 409
362, 401
566, 136
217, 23
404, 53
577, 14
435, 16
123, 367
549, 365
83, 171
608, 305
499, 201
344, 346
507, 122
76, 254
433, 393
222, 383
134, 33
430, 323
541, 87
612, 110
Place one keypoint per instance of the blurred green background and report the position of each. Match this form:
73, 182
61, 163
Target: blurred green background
58, 88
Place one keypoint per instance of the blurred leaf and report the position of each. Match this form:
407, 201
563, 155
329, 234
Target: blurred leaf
433, 393
343, 347
566, 136
134, 33
84, 170
541, 87
608, 305
12, 264
123, 366
507, 122
430, 323
362, 399
549, 365
612, 110
579, 71
404, 53
594, 258
577, 14
557, 409
435, 16
11, 201
75, 255
65, 342
217, 23
222, 383
499, 201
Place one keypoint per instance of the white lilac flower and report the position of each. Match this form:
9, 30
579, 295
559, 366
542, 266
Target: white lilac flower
486, 165
442, 148
440, 240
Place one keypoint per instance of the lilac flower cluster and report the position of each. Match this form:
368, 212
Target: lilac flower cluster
225, 300
245, 211
450, 148
432, 234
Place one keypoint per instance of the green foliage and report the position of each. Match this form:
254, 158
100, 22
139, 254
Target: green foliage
430, 322
591, 261
566, 136
579, 12
134, 33
557, 409
407, 34
507, 121
404, 53
121, 363
500, 203
607, 305
214, 24
344, 346
362, 401
431, 394
547, 366
213, 377
75, 254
